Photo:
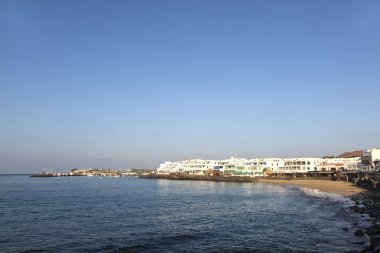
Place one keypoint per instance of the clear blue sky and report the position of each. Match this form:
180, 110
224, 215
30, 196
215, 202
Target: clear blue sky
134, 83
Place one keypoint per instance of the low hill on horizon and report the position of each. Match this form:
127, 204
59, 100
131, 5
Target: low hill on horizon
356, 153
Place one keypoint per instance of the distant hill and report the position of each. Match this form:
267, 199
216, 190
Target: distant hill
357, 153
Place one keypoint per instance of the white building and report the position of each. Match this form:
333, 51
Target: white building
339, 164
299, 165
265, 166
371, 158
193, 166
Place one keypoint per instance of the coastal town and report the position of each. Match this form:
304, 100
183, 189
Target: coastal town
344, 166
212, 126
95, 172
363, 161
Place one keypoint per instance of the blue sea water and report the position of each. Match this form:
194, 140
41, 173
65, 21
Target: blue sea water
90, 214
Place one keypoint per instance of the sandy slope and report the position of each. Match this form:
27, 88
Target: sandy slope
337, 187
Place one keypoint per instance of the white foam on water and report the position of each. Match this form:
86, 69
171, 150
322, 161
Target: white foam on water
322, 194
331, 196
363, 219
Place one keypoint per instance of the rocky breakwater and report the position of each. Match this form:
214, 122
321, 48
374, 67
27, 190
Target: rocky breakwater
369, 203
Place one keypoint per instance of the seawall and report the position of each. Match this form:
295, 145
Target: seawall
200, 177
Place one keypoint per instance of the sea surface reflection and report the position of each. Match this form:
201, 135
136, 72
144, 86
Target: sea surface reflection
89, 214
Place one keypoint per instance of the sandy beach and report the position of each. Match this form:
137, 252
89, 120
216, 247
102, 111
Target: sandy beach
337, 187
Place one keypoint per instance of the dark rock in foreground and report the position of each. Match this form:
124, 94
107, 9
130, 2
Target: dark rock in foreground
359, 233
369, 203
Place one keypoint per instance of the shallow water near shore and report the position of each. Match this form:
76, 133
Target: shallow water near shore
89, 214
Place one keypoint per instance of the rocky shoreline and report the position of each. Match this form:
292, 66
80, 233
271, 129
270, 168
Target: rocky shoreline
369, 203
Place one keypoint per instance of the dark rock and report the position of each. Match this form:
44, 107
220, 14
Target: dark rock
374, 229
359, 233
345, 229
375, 241
367, 249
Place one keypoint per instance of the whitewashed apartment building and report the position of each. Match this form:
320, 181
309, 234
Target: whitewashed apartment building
259, 166
299, 165
371, 158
